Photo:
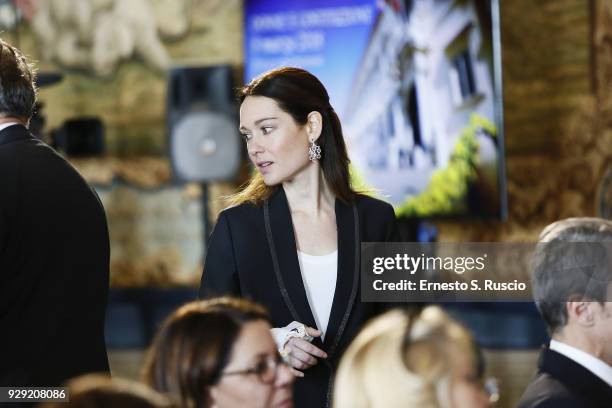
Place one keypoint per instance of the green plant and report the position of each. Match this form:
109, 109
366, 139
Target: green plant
448, 187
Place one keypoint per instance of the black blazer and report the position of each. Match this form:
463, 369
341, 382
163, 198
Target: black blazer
54, 265
253, 254
563, 383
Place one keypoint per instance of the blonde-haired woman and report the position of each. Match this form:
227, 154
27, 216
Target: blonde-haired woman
424, 360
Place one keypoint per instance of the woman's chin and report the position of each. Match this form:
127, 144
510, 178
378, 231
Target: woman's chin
271, 181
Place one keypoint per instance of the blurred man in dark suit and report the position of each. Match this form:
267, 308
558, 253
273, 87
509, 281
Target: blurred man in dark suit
54, 249
572, 288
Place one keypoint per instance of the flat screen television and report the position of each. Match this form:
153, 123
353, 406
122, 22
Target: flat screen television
417, 86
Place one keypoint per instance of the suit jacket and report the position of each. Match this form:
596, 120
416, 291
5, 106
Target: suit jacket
253, 254
563, 383
54, 266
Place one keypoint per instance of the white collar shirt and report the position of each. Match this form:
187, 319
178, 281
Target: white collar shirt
588, 361
5, 125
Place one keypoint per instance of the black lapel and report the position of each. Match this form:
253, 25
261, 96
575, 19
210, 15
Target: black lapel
347, 282
281, 239
13, 133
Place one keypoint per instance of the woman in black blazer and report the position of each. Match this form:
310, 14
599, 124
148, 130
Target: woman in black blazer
300, 200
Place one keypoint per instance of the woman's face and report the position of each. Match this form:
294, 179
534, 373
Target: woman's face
467, 389
253, 347
277, 145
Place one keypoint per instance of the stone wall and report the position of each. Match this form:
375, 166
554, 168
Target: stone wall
131, 101
156, 235
156, 225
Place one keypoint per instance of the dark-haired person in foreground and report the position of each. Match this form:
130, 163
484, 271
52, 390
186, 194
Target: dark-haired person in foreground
97, 391
54, 249
293, 237
572, 288
219, 354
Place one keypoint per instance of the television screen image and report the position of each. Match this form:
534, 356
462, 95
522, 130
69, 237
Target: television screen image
417, 86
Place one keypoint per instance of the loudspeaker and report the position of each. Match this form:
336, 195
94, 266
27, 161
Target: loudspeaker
80, 137
202, 115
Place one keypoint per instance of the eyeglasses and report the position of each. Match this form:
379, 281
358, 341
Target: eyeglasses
266, 369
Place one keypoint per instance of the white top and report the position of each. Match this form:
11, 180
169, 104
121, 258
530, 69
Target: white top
319, 274
588, 361
5, 125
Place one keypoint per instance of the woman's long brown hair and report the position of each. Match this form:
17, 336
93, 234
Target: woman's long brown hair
194, 345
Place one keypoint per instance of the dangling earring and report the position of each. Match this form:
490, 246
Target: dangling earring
314, 151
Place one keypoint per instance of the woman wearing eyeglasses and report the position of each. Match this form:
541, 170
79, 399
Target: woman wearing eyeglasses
219, 354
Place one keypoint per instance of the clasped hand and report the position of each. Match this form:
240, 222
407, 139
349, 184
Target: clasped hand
302, 354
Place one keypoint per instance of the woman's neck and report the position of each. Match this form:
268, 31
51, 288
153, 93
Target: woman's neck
308, 191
